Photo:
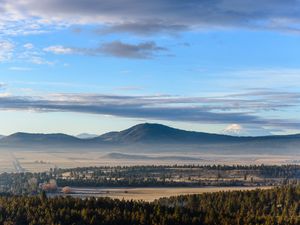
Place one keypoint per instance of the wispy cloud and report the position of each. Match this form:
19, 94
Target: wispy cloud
142, 50
143, 28
12, 52
239, 109
31, 54
278, 78
60, 50
6, 50
40, 60
2, 85
123, 50
123, 106
28, 46
17, 68
157, 15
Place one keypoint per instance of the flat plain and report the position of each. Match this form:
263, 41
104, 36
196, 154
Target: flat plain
39, 161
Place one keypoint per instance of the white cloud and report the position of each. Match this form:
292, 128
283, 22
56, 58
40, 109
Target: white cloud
6, 50
30, 54
16, 68
28, 46
59, 50
171, 108
30, 16
40, 61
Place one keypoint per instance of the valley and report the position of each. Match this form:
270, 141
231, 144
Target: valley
40, 161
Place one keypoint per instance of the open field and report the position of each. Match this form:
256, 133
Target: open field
149, 194
6, 162
39, 161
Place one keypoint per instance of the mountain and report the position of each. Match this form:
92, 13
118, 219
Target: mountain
86, 136
156, 138
157, 133
28, 140
2, 136
24, 137
233, 130
238, 130
159, 138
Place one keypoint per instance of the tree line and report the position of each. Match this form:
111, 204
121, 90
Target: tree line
277, 206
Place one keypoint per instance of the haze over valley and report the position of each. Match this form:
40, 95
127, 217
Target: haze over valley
161, 112
143, 144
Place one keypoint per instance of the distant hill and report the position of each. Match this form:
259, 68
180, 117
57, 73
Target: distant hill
2, 136
28, 139
156, 138
39, 137
86, 136
157, 133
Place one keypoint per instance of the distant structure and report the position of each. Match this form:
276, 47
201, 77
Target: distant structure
66, 190
51, 186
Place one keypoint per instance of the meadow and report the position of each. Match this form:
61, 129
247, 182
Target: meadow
149, 194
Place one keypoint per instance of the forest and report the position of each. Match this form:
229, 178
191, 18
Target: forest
152, 176
178, 176
280, 205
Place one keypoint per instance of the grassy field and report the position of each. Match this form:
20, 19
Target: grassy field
6, 162
149, 194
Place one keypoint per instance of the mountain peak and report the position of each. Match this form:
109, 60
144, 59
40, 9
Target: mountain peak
148, 132
149, 127
157, 133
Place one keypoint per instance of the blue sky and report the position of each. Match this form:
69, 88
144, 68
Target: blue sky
96, 66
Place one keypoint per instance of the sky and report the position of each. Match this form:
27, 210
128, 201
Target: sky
220, 66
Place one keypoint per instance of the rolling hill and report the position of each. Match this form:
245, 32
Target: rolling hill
155, 138
157, 133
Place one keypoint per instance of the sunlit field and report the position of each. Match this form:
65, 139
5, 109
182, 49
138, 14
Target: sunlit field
149, 194
6, 162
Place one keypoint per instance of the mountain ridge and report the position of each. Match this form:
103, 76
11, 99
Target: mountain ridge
154, 138
147, 126
149, 132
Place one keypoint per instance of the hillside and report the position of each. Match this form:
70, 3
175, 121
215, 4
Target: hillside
157, 133
155, 138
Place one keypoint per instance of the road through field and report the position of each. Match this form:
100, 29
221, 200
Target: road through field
17, 165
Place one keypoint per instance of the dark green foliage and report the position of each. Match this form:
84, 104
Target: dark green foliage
153, 176
275, 206
180, 176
